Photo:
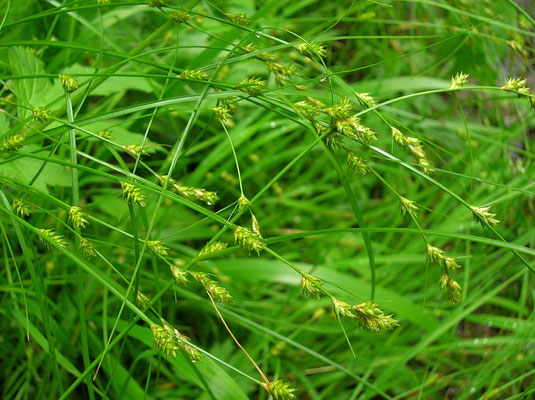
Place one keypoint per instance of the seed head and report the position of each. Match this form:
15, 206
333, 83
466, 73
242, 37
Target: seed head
133, 194
280, 390
417, 150
169, 340
135, 150
157, 247
77, 217
181, 276
340, 110
458, 81
353, 129
310, 286
366, 100
452, 288
217, 292
399, 137
103, 1
40, 114
256, 226
213, 247
252, 86
194, 75
282, 72
105, 133
239, 19
13, 143
222, 113
142, 301
408, 207
52, 236
21, 208
248, 239
157, 3
164, 342
192, 193
180, 17
243, 203
342, 308
87, 248
306, 110
312, 49
516, 85
357, 163
483, 214
70, 84
372, 318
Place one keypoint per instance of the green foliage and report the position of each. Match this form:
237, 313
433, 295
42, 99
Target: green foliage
333, 200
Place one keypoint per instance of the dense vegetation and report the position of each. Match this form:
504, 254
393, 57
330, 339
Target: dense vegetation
267, 199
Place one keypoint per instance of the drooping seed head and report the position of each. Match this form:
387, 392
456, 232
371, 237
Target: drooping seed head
13, 143
77, 217
452, 288
357, 163
239, 19
243, 203
483, 214
157, 248
180, 17
213, 247
310, 285
133, 194
252, 86
408, 207
21, 208
142, 301
52, 236
342, 308
280, 390
312, 49
87, 248
248, 239
218, 293
372, 318
194, 75
399, 137
180, 275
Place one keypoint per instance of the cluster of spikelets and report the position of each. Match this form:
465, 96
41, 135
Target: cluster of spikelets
21, 208
157, 248
70, 84
415, 147
447, 282
132, 194
212, 288
189, 192
193, 75
213, 248
169, 341
248, 239
135, 150
13, 142
369, 315
483, 215
77, 217
280, 390
225, 108
252, 86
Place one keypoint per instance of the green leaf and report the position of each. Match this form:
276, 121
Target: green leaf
31, 92
23, 170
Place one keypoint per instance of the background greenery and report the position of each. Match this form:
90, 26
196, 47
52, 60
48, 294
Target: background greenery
62, 314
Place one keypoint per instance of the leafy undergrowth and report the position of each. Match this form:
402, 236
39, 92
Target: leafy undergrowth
266, 199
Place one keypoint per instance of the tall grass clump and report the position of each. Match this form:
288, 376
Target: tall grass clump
267, 199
